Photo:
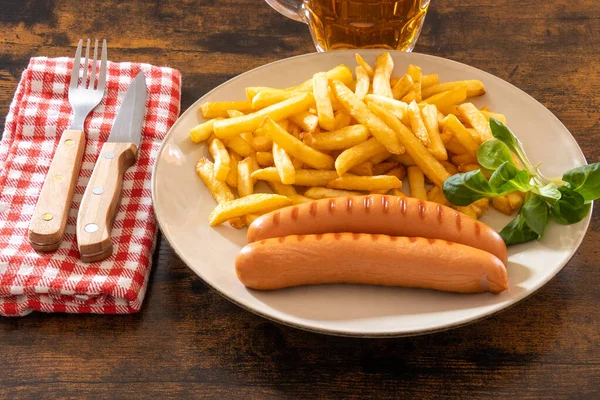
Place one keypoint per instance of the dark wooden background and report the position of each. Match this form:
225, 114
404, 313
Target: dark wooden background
189, 342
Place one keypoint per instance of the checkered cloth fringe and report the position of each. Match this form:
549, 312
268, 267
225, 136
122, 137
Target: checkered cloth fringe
58, 281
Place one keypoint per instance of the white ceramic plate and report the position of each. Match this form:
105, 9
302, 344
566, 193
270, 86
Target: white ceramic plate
183, 204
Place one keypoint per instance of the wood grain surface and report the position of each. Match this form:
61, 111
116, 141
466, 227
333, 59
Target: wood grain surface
189, 342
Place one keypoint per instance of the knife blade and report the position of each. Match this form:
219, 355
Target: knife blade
102, 195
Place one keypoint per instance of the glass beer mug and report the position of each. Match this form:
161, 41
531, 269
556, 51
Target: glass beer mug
350, 24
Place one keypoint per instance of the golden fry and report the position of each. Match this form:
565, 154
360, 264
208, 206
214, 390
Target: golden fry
362, 169
415, 73
384, 65
489, 114
402, 87
362, 83
269, 97
342, 119
202, 132
477, 120
249, 123
466, 167
353, 182
252, 204
305, 120
232, 179
381, 157
284, 190
245, 184
338, 140
324, 193
451, 168
428, 80
473, 88
239, 145
361, 113
296, 148
219, 153
384, 167
264, 158
399, 193
340, 73
403, 159
368, 69
465, 158
445, 101
399, 172
417, 124
436, 147
304, 177
284, 165
252, 91
398, 108
299, 199
323, 102
436, 195
461, 134
219, 108
416, 181
414, 148
262, 143
358, 154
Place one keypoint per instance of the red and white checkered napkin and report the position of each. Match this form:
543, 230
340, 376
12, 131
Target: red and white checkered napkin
59, 281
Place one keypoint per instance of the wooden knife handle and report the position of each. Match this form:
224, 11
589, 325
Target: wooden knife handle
101, 201
47, 226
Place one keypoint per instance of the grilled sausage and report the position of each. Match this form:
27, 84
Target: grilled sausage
379, 214
369, 259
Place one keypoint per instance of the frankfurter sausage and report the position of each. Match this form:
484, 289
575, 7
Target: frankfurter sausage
380, 214
369, 259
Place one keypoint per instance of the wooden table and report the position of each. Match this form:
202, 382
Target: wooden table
188, 341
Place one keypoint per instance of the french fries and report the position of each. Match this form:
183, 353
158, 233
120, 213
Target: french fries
284, 165
416, 181
337, 140
384, 65
338, 135
295, 147
353, 182
324, 193
219, 153
358, 154
361, 113
323, 102
247, 123
258, 203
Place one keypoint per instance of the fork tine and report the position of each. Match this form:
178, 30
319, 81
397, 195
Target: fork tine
85, 65
102, 78
93, 75
75, 70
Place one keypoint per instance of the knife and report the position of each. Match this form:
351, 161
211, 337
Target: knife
103, 192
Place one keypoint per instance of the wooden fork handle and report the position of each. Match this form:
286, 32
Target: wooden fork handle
47, 226
101, 199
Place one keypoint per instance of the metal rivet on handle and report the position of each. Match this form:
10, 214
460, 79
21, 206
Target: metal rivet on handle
47, 216
97, 190
109, 155
69, 142
91, 228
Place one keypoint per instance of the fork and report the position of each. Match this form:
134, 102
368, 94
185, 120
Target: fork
47, 226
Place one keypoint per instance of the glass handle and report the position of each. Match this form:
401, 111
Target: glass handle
289, 8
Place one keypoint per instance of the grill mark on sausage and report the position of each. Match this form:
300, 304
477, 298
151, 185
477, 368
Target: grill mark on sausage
458, 221
367, 203
263, 241
385, 203
449, 243
300, 238
281, 239
412, 239
421, 208
402, 203
356, 236
477, 229
319, 236
337, 236
313, 208
374, 237
393, 238
431, 241
349, 204
276, 216
331, 206
295, 213
440, 213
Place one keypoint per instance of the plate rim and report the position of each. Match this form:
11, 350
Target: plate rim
333, 332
